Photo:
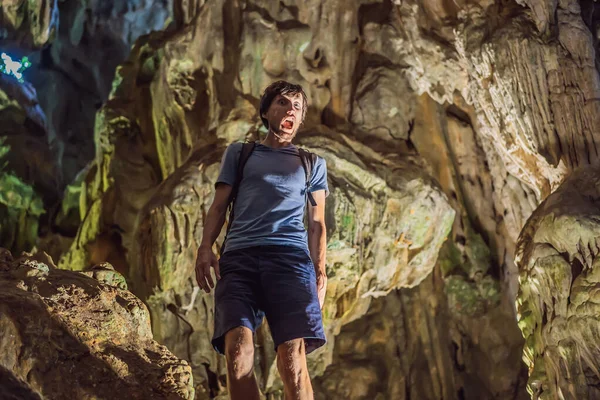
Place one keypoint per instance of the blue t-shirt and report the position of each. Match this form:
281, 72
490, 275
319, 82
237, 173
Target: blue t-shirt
269, 209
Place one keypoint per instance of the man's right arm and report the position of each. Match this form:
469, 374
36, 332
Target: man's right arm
215, 218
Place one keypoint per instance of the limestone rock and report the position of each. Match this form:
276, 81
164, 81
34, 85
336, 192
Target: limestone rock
409, 353
28, 173
384, 105
20, 210
105, 273
65, 335
558, 260
26, 24
73, 75
151, 182
423, 109
23, 132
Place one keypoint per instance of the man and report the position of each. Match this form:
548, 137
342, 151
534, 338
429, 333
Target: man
270, 265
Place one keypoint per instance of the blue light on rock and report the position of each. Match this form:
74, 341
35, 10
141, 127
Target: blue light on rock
12, 67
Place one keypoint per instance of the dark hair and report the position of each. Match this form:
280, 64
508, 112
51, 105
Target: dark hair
282, 88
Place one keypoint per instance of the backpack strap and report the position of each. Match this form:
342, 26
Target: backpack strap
247, 149
308, 163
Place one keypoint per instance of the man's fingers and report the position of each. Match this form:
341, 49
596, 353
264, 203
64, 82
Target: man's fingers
201, 278
203, 275
201, 281
204, 285
198, 275
208, 277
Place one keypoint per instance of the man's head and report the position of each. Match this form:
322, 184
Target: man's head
283, 108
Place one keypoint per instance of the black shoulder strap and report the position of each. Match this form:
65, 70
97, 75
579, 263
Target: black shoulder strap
247, 149
308, 163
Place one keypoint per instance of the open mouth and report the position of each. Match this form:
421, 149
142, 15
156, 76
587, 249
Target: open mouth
287, 123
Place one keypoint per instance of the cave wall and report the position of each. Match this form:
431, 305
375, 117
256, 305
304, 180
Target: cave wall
444, 125
73, 75
48, 120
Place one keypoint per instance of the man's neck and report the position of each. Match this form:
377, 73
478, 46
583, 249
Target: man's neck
272, 140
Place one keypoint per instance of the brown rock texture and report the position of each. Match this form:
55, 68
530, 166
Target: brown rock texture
28, 24
445, 125
410, 346
26, 164
74, 72
66, 335
174, 108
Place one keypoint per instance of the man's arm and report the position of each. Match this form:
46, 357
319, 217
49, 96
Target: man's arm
317, 241
215, 218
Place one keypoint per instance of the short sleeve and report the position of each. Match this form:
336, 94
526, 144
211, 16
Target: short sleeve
229, 163
319, 177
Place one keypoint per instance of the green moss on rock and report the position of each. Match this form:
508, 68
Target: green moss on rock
449, 258
463, 296
20, 209
477, 252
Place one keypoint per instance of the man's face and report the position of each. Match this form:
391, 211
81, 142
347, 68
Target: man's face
285, 115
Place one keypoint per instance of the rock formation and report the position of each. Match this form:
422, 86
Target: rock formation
73, 75
25, 165
66, 335
444, 126
27, 25
558, 254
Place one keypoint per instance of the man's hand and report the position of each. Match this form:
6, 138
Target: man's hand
321, 288
204, 260
215, 218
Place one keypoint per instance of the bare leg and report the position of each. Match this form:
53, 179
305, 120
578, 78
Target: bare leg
291, 362
239, 352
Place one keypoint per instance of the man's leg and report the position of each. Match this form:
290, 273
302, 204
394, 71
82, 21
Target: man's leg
239, 352
291, 362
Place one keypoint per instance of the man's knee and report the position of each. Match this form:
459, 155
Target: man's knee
291, 361
239, 352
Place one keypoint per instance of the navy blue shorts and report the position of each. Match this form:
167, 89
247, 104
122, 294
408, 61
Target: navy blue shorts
276, 281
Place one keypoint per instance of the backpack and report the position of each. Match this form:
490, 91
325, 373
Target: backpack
307, 158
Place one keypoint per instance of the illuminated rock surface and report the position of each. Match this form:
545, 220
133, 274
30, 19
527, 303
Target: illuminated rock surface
558, 298
66, 335
28, 24
27, 171
444, 126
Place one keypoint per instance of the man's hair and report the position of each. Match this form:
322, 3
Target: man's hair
282, 88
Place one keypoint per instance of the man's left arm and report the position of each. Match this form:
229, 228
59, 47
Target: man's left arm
317, 241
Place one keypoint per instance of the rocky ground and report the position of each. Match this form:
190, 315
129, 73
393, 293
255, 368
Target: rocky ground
74, 335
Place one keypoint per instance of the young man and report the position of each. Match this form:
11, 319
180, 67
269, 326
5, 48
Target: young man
270, 265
